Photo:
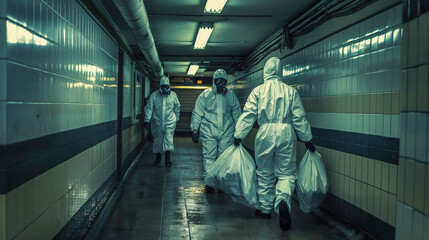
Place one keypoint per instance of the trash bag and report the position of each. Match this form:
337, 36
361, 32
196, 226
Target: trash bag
312, 182
234, 172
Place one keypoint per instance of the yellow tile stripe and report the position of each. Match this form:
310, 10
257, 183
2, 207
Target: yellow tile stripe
56, 195
413, 177
2, 216
374, 103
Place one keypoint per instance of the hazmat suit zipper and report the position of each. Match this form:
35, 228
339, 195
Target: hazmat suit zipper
220, 106
163, 111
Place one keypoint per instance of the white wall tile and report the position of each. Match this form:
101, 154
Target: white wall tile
410, 143
386, 125
3, 86
359, 123
395, 125
379, 125
21, 122
426, 226
3, 39
407, 222
353, 124
397, 19
380, 82
399, 220
372, 123
404, 221
417, 227
421, 136
366, 124
3, 114
348, 123
396, 56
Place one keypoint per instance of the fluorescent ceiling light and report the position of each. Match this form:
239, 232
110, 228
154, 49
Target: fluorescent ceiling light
214, 6
193, 69
203, 35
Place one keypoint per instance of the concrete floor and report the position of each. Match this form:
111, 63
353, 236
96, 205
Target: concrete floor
169, 203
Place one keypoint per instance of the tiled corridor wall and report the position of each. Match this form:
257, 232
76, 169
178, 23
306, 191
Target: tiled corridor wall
413, 176
58, 110
350, 83
130, 126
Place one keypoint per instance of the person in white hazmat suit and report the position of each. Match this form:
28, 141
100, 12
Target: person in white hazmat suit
280, 113
162, 114
215, 114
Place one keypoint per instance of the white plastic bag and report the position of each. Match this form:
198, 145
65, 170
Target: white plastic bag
312, 182
235, 173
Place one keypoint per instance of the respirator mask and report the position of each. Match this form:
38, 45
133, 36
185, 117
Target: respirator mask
165, 89
220, 85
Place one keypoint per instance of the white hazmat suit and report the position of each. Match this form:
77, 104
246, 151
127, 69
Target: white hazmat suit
163, 111
215, 115
280, 113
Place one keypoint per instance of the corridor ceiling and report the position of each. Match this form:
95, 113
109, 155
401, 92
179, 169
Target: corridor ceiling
238, 29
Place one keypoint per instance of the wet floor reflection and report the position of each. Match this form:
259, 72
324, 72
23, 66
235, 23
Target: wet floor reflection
164, 203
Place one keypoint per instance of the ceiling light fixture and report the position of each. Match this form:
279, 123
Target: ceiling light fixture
193, 69
203, 35
214, 6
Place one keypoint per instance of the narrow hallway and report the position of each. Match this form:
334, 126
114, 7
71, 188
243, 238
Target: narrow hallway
164, 203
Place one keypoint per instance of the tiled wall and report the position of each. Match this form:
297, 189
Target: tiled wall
2, 217
58, 110
350, 85
413, 176
131, 127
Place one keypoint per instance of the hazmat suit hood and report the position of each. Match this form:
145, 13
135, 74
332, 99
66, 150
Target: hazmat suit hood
220, 73
164, 81
272, 69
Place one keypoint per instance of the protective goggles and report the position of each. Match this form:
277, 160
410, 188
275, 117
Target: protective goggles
220, 81
164, 87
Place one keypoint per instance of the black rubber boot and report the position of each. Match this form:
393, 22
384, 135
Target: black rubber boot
157, 159
284, 216
260, 214
209, 189
168, 162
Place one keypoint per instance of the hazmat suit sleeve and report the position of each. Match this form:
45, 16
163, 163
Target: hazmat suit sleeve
149, 109
299, 121
198, 113
176, 108
248, 118
236, 109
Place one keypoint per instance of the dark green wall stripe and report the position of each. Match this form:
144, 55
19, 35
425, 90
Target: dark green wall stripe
371, 146
369, 223
126, 122
2, 156
23, 161
19, 153
81, 222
